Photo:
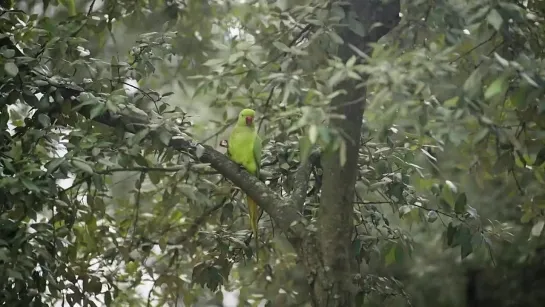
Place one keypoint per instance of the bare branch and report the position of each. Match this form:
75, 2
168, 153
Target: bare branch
142, 169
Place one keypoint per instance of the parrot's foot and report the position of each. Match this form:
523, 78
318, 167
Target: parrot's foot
241, 167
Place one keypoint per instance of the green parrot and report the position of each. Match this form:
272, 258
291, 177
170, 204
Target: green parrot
244, 147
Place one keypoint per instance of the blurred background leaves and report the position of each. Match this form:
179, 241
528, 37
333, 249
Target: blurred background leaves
449, 206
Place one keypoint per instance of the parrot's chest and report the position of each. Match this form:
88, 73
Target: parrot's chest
241, 150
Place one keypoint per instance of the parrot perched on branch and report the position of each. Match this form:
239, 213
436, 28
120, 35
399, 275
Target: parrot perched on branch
244, 147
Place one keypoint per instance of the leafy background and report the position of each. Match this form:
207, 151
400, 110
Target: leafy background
449, 196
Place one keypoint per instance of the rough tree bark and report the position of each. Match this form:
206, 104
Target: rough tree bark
334, 285
326, 253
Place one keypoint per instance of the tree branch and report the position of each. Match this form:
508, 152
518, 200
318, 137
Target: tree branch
281, 210
143, 169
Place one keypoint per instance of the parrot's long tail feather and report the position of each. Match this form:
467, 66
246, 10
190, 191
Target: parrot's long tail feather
254, 218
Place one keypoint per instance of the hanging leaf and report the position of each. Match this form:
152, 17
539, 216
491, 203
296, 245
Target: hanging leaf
494, 19
497, 87
540, 157
461, 202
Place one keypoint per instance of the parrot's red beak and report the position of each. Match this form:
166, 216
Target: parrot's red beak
249, 120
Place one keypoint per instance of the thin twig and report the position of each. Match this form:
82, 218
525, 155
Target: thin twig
474, 48
143, 93
220, 131
89, 11
517, 182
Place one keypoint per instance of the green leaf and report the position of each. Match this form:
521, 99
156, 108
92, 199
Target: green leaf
14, 274
452, 102
472, 86
54, 164
313, 134
44, 120
335, 37
95, 286
342, 152
13, 97
527, 216
82, 165
304, 147
503, 62
336, 78
495, 88
107, 298
540, 157
529, 79
461, 202
351, 61
464, 239
155, 177
199, 151
214, 62
281, 46
30, 185
481, 135
451, 232
447, 196
323, 132
70, 6
537, 229
8, 53
11, 69
111, 106
227, 213
97, 110
390, 256
466, 248
356, 26
165, 136
494, 19
131, 267
139, 136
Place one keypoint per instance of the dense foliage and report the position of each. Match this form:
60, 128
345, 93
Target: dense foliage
97, 206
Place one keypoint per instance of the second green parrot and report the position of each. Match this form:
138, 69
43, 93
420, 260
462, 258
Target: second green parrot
244, 147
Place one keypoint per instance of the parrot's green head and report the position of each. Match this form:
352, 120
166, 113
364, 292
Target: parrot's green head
246, 118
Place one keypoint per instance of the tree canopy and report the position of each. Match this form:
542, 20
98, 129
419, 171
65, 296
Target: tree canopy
403, 152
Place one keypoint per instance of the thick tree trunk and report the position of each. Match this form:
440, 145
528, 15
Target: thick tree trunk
335, 215
332, 269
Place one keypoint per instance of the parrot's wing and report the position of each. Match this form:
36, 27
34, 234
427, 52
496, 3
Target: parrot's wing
257, 153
